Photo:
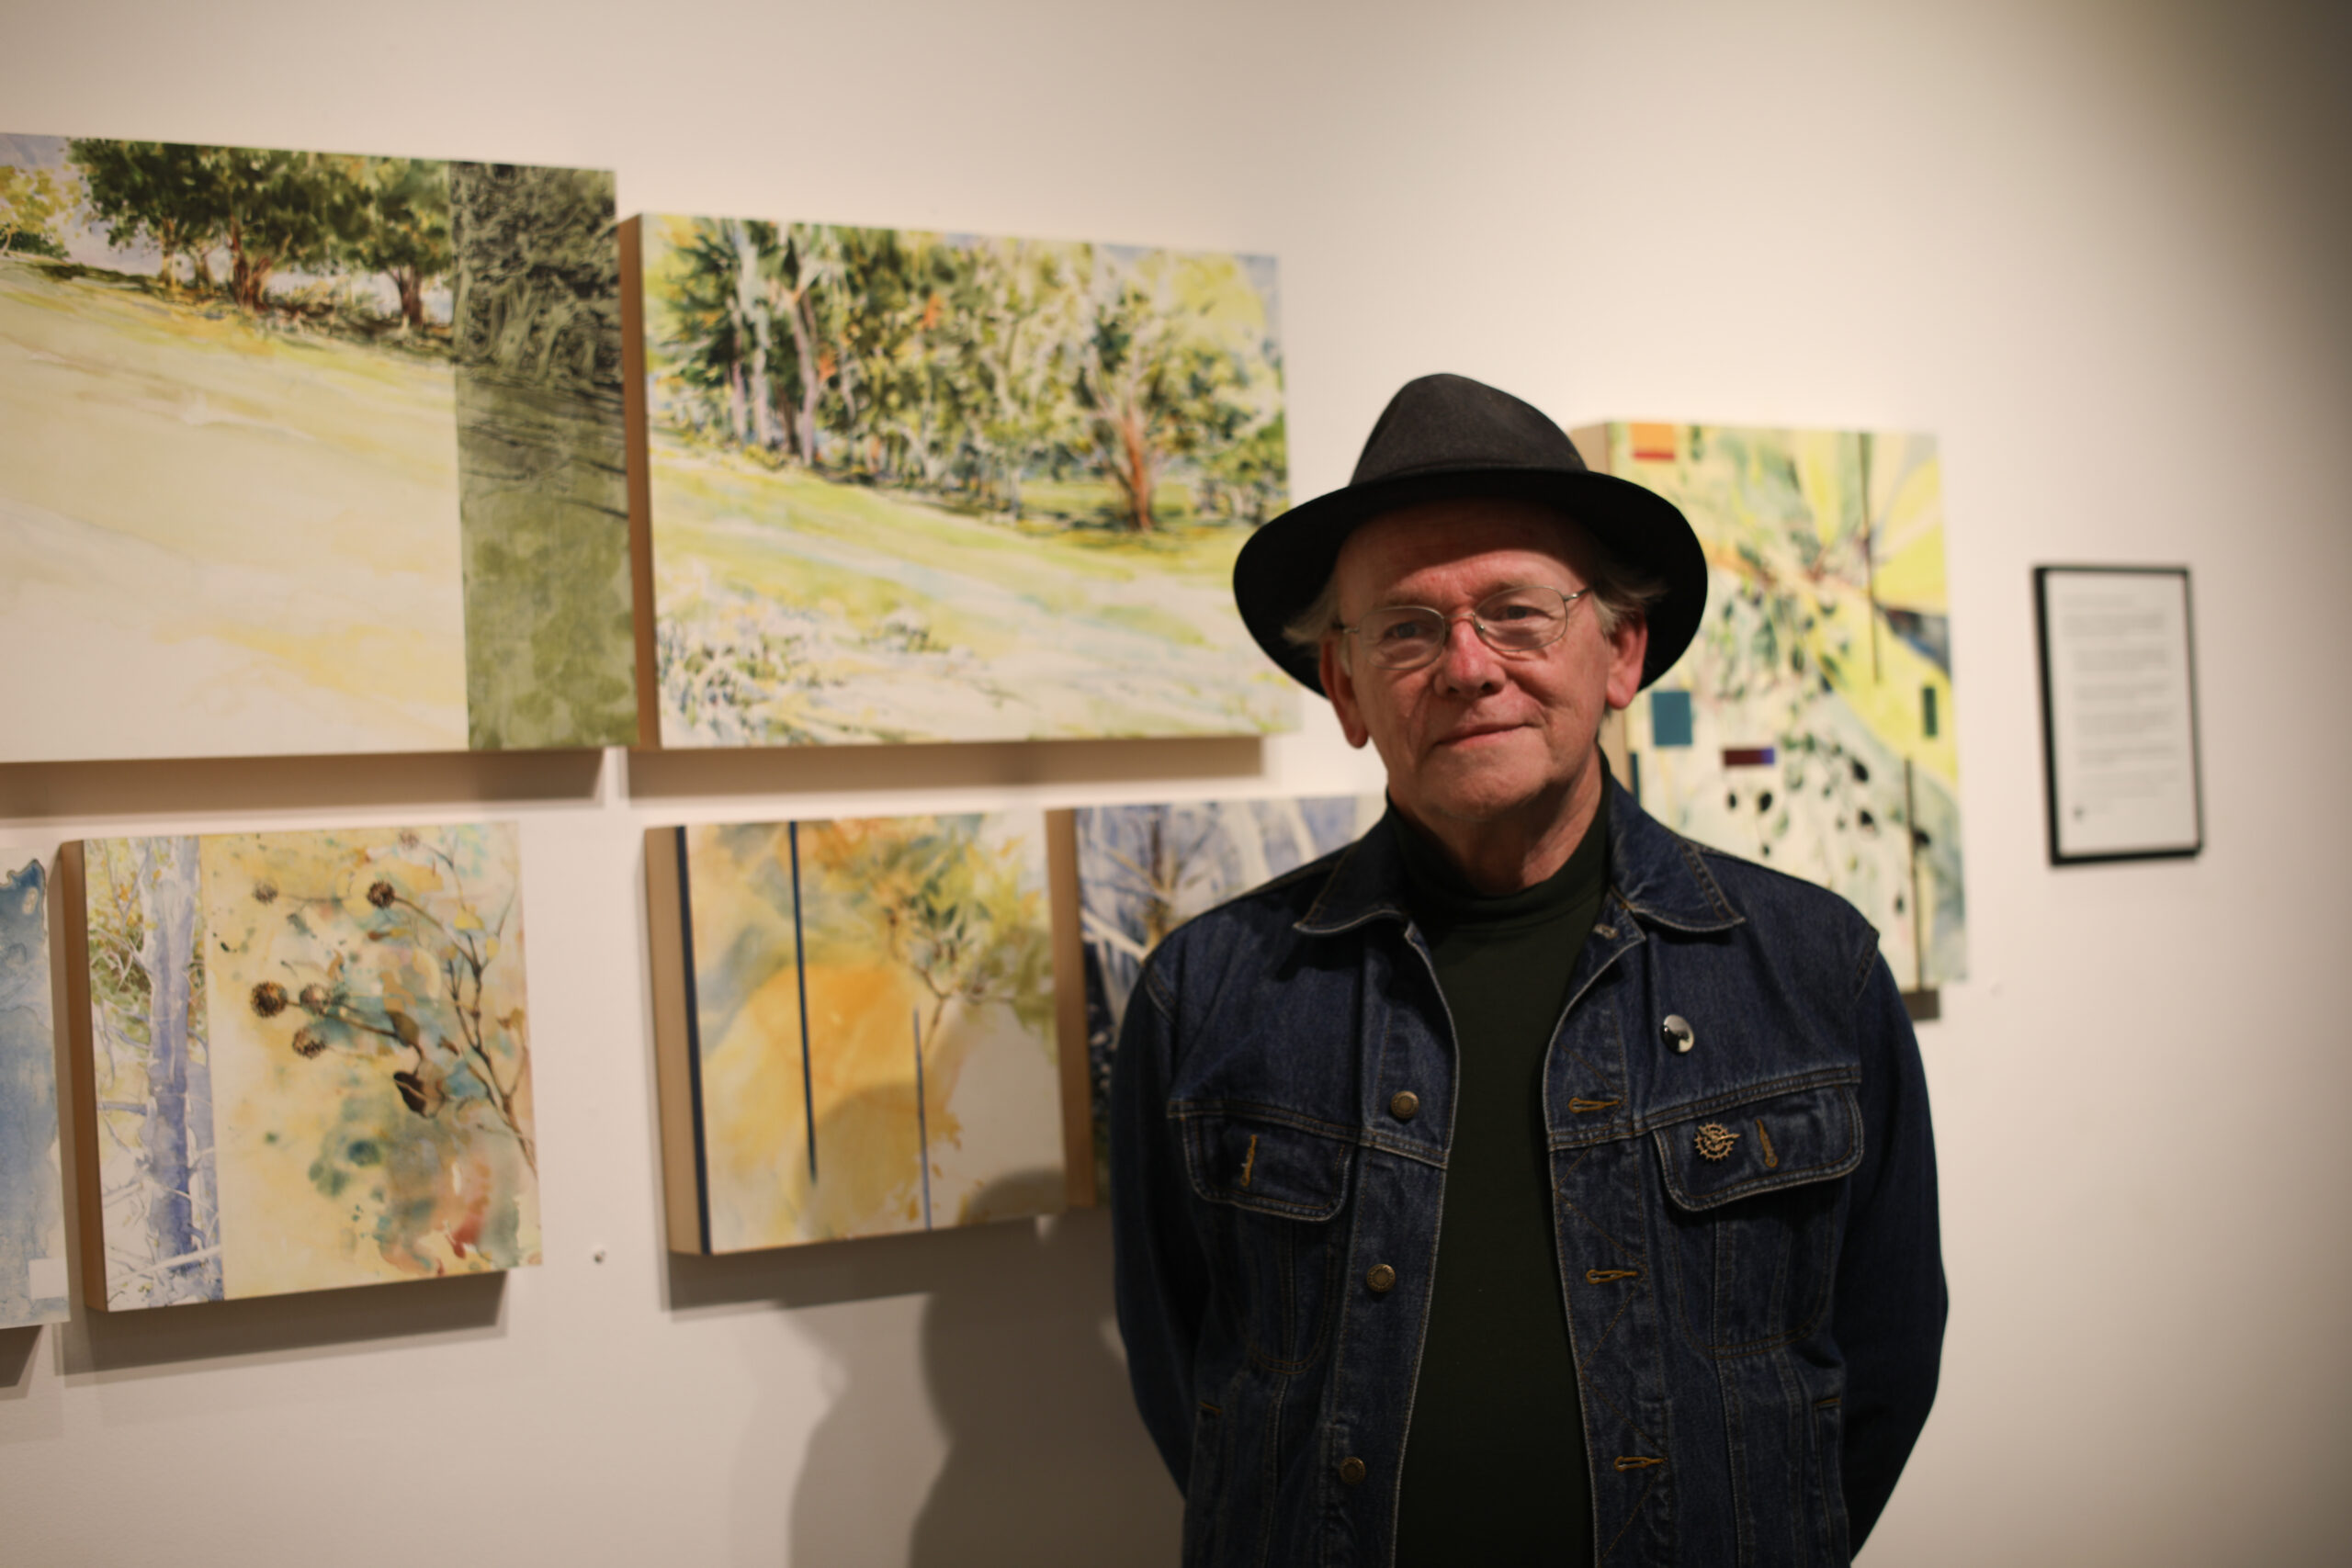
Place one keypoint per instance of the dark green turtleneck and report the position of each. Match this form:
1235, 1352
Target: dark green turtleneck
1495, 1457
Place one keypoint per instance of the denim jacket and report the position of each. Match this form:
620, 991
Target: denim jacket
1746, 1223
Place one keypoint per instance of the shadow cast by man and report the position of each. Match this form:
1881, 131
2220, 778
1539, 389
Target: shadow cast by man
1045, 1462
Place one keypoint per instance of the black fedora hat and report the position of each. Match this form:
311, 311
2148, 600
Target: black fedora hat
1450, 438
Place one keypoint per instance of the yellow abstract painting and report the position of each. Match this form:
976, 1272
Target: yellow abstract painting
871, 1022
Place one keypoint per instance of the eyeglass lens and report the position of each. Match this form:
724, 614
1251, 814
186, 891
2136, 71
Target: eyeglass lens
1517, 620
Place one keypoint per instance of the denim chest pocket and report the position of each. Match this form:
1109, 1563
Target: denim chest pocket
1755, 1209
1270, 1182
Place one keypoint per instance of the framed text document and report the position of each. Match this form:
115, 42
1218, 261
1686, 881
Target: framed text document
2118, 712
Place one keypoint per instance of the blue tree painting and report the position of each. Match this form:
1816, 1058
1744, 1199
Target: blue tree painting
1145, 870
32, 1208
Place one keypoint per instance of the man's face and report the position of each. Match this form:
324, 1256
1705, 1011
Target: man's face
1477, 736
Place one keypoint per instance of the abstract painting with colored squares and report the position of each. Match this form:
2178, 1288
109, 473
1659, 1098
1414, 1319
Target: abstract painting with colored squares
1810, 727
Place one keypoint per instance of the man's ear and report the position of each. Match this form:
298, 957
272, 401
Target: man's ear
1340, 687
1628, 646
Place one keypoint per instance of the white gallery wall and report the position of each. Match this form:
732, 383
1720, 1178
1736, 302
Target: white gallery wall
2101, 249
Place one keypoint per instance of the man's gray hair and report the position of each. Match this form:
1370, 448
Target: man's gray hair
1618, 592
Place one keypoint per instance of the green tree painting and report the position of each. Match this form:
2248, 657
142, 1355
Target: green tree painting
919, 486
551, 649
329, 447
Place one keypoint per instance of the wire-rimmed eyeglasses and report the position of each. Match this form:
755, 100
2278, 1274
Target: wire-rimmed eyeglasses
1517, 620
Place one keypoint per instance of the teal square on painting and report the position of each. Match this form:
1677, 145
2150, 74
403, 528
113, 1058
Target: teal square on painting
1669, 719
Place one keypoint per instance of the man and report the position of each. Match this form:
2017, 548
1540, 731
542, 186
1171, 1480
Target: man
1523, 1183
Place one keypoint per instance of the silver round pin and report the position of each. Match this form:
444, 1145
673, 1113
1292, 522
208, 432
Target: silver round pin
1677, 1029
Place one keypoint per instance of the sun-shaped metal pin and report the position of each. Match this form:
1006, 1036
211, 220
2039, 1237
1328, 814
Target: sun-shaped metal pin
1715, 1141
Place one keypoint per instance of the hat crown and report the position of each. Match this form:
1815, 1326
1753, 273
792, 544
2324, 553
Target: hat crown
1440, 422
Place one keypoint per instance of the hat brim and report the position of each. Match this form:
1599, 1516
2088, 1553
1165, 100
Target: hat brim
1284, 566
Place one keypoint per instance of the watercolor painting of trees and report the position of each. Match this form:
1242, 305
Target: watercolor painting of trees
1811, 725
1145, 870
32, 1194
308, 1061
911, 486
864, 1027
306, 453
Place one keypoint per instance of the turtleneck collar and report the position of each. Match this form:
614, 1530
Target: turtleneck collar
1440, 897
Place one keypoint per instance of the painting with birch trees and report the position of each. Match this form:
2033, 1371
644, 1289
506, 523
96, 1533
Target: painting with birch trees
872, 1006
32, 1198
1145, 870
308, 453
311, 1061
913, 486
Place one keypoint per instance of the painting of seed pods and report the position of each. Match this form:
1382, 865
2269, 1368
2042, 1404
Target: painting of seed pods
302, 1061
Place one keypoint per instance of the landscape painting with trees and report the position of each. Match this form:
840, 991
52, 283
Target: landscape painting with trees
911, 486
304, 452
869, 1014
308, 1061
1810, 727
1145, 870
32, 1192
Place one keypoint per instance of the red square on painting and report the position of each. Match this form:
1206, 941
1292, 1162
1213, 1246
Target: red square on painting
1652, 443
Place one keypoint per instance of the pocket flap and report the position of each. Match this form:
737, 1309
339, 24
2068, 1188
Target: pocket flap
1260, 1160
1785, 1140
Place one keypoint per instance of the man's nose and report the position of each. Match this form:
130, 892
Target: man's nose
1467, 665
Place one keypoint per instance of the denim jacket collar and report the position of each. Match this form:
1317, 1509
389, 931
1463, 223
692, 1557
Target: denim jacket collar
1659, 876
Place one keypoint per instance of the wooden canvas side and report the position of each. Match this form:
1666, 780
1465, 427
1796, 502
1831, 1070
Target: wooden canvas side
673, 1042
640, 477
1592, 444
1069, 1010
1613, 748
73, 899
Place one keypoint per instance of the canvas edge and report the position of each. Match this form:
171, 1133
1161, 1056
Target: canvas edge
1592, 444
1069, 1010
666, 916
72, 889
636, 410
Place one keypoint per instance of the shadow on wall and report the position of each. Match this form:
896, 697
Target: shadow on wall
1016, 1373
15, 1356
95, 790
1046, 1463
690, 773
1046, 1459
286, 1327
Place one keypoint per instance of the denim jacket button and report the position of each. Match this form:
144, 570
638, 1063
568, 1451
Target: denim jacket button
1676, 1031
1381, 1281
1352, 1469
1404, 1104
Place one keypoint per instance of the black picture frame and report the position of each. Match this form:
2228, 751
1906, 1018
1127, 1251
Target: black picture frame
2163, 850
